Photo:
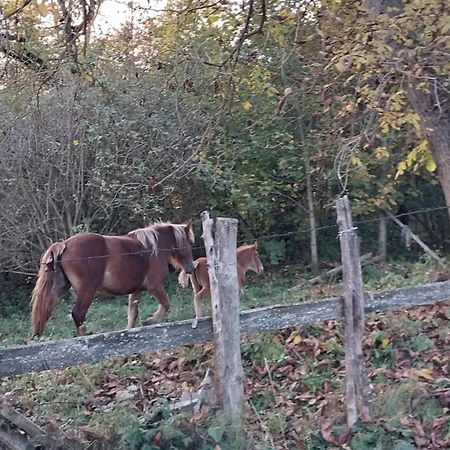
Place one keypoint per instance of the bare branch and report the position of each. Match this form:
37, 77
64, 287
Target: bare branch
17, 10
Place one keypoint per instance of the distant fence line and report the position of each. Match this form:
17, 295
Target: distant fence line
389, 216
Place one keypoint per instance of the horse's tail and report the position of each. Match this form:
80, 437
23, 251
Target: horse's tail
183, 279
45, 294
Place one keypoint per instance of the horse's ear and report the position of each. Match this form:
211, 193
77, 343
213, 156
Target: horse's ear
188, 225
255, 245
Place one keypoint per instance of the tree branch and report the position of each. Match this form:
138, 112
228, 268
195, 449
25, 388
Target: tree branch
17, 10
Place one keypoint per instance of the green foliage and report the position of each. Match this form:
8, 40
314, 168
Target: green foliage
162, 429
375, 437
224, 433
401, 400
264, 400
428, 410
266, 348
275, 251
159, 429
421, 343
316, 376
382, 353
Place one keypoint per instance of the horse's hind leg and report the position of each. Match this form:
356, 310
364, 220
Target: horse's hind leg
160, 294
79, 311
60, 283
133, 308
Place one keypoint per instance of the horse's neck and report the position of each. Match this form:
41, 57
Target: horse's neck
243, 262
165, 245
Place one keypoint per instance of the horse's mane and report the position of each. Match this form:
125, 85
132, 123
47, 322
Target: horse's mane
149, 236
245, 247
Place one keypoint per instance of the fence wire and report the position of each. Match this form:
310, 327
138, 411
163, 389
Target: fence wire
259, 238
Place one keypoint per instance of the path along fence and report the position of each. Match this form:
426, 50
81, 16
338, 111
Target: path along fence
50, 355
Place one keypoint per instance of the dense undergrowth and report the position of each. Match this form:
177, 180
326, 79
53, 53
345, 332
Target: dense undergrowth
294, 377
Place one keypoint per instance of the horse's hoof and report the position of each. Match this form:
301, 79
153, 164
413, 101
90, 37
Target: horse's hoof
85, 333
194, 324
149, 321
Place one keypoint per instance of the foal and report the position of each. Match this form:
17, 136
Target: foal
247, 259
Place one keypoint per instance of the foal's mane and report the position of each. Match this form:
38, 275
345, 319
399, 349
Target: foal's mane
245, 247
149, 236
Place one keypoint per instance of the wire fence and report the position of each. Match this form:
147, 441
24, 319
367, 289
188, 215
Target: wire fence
259, 238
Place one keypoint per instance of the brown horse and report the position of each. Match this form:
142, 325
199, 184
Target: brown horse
247, 259
111, 265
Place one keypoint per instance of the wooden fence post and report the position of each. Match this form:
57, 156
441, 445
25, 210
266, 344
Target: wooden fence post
222, 269
357, 403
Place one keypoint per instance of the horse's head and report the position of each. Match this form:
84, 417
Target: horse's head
249, 258
257, 264
182, 252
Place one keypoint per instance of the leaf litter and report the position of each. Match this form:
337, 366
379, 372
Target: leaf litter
294, 387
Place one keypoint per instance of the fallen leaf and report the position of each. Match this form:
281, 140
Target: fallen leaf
157, 437
425, 373
345, 436
327, 432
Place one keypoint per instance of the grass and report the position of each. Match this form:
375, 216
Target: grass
294, 377
288, 285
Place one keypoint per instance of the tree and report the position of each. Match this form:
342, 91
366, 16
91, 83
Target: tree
398, 53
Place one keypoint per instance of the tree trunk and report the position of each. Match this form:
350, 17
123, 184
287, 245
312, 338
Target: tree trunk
434, 111
312, 220
382, 237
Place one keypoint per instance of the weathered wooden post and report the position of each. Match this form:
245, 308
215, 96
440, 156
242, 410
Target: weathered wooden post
222, 269
357, 403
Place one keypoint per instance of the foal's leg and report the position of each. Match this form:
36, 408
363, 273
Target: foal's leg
79, 311
160, 294
198, 298
133, 308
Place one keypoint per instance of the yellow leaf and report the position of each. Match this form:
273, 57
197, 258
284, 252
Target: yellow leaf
385, 342
247, 105
42, 8
381, 153
385, 127
425, 373
297, 340
356, 161
430, 164
445, 27
350, 107
292, 337
340, 66
76, 142
88, 77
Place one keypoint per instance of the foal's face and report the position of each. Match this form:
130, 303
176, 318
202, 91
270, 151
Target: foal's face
256, 265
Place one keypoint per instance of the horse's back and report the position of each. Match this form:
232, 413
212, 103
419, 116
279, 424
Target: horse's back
112, 264
85, 244
93, 246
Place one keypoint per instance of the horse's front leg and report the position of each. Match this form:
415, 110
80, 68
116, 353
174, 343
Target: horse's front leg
161, 295
133, 308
